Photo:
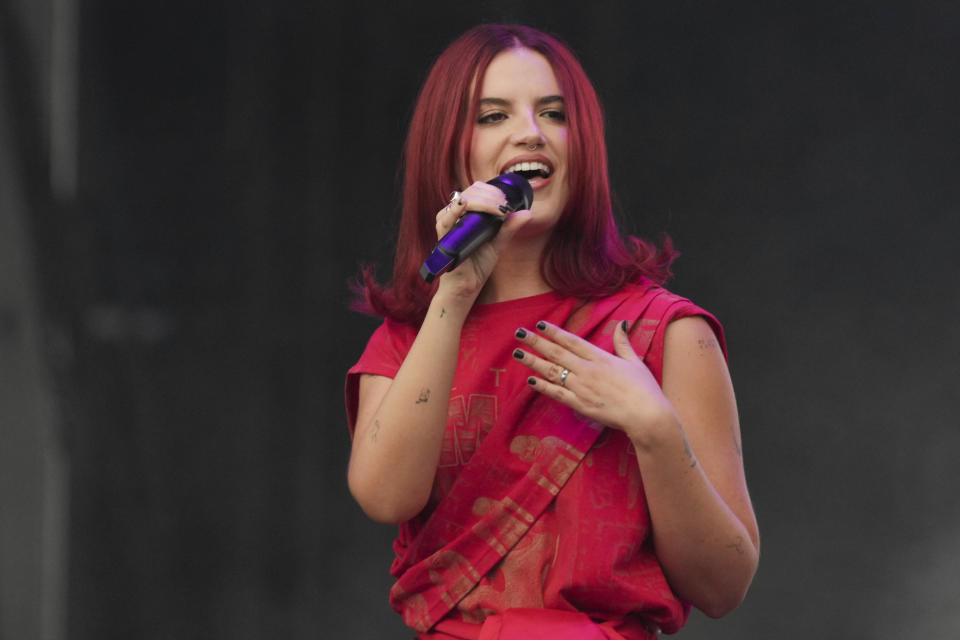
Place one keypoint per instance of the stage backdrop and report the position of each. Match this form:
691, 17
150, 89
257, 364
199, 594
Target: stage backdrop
237, 161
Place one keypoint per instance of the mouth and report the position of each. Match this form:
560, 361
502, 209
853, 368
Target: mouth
537, 170
530, 170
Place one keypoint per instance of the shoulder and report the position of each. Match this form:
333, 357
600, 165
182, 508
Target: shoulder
691, 333
384, 352
694, 362
688, 323
392, 335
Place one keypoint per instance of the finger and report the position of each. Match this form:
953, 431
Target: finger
549, 350
548, 370
621, 343
486, 198
448, 216
560, 339
555, 391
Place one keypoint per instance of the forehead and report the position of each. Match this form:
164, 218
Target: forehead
519, 70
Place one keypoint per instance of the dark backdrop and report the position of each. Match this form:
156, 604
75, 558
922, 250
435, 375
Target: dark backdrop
238, 160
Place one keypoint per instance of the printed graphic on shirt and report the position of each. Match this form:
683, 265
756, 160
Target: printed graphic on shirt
469, 421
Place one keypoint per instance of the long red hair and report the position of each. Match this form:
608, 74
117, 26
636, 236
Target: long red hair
586, 255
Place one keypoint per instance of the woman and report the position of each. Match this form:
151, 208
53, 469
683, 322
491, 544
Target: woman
555, 434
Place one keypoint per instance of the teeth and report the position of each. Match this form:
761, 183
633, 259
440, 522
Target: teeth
529, 166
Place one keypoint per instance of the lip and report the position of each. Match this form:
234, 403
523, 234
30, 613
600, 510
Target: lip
535, 183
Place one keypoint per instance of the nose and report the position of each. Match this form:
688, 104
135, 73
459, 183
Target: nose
528, 132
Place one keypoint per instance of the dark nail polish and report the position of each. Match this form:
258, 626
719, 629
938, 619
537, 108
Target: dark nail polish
521, 333
505, 208
624, 325
518, 354
532, 381
541, 325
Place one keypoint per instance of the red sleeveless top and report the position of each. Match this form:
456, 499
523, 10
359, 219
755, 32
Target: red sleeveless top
535, 508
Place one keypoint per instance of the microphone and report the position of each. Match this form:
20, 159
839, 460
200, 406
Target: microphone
476, 227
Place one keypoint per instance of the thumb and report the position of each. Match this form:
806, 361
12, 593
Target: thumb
511, 224
621, 343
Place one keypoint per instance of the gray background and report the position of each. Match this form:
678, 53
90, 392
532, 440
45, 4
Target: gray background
187, 186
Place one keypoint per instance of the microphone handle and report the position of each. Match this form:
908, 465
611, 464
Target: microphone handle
472, 230
476, 227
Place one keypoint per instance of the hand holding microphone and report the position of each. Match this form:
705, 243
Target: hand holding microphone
476, 227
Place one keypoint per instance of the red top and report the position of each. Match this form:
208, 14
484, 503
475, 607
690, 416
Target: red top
534, 506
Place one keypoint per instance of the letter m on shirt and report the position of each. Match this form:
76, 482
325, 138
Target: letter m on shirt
469, 420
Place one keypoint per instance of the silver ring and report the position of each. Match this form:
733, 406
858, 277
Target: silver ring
563, 377
533, 147
455, 198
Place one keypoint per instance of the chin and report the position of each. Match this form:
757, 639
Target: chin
542, 220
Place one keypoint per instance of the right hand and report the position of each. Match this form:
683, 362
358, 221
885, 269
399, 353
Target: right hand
468, 278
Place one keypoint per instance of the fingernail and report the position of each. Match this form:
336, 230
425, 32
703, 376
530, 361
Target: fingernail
623, 325
532, 381
505, 209
521, 333
518, 354
541, 325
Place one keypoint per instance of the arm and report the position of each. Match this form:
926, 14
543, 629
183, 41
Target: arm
400, 422
686, 436
704, 529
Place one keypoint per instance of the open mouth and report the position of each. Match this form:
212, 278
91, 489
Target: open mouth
530, 170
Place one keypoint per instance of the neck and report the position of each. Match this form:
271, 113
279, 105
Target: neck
517, 274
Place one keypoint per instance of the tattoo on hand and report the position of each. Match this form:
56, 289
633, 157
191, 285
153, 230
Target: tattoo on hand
374, 430
424, 396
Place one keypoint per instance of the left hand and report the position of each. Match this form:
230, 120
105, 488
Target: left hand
615, 389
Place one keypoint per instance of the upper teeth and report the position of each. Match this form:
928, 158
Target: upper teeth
529, 166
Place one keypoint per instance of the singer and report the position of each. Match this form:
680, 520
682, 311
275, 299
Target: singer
554, 432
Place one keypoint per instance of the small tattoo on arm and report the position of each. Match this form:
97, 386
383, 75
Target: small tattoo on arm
424, 396
737, 545
374, 430
708, 343
443, 311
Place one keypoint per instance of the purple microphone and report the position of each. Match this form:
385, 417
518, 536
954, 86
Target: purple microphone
475, 227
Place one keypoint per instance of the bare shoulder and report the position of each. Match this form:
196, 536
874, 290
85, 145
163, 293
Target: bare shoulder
695, 374
692, 336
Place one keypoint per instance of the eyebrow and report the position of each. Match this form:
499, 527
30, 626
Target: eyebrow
500, 102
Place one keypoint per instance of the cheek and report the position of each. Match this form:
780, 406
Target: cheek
476, 163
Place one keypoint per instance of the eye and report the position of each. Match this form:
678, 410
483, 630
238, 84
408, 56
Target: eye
490, 118
555, 114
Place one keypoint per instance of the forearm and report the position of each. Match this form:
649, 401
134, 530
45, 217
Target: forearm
397, 443
707, 552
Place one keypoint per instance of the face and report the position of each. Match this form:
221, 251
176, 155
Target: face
521, 127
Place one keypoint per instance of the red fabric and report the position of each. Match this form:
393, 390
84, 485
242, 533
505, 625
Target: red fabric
528, 624
533, 507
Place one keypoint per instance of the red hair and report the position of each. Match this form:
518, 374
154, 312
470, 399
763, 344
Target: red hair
586, 256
